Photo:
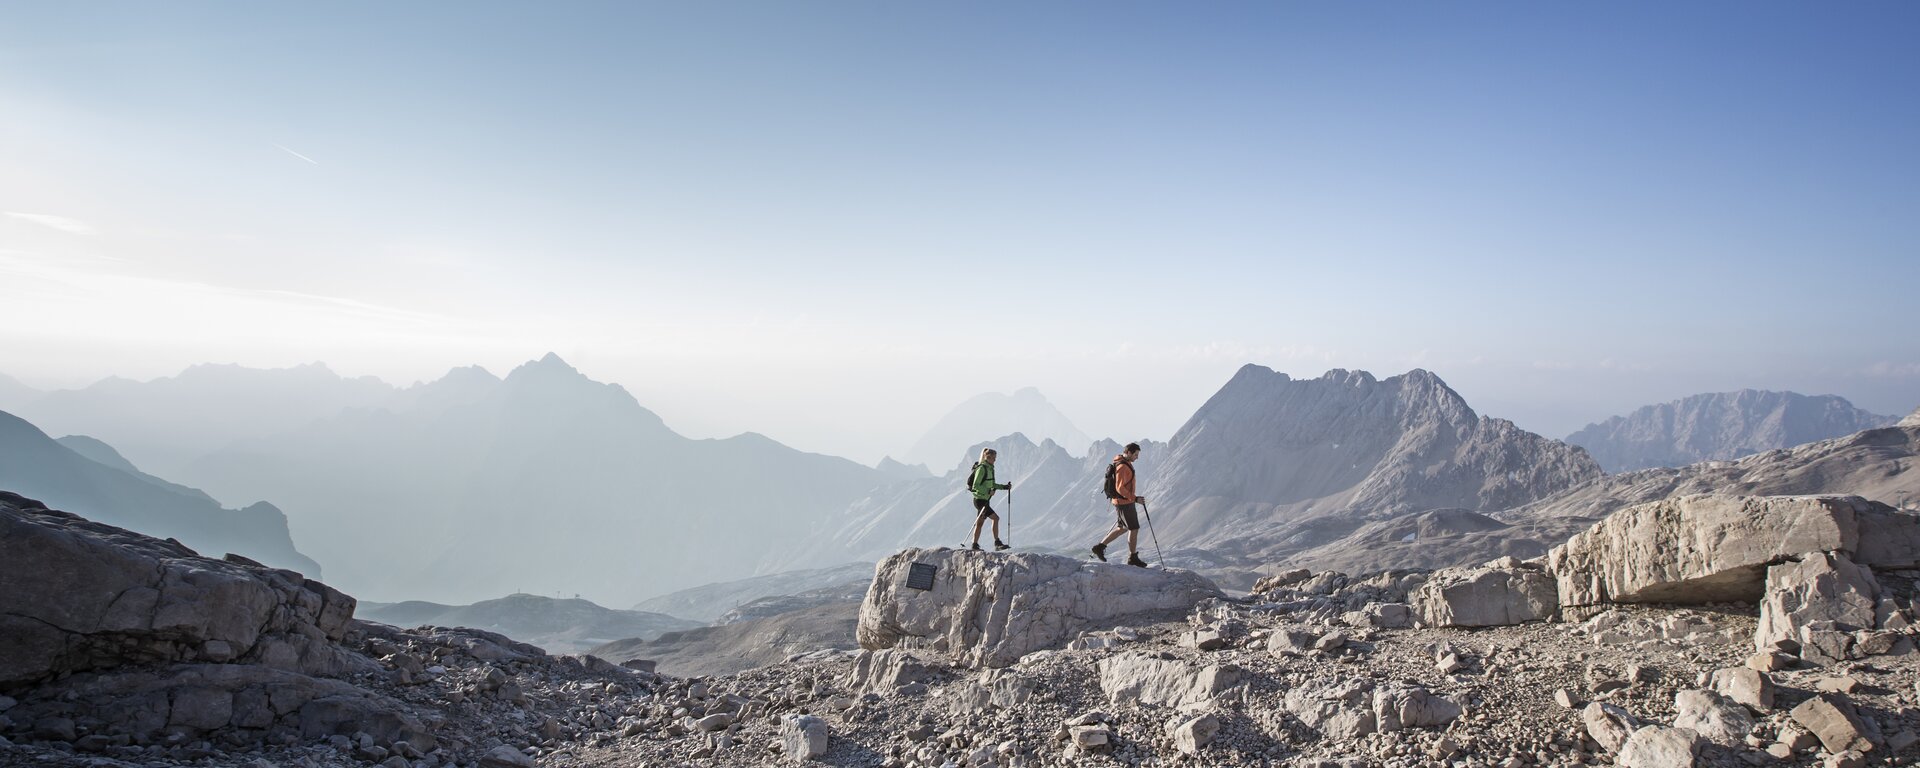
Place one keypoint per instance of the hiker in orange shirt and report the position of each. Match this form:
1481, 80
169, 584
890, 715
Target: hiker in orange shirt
1120, 491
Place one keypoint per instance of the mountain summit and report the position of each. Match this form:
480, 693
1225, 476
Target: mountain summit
1271, 464
1719, 426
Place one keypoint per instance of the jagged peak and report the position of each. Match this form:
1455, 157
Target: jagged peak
548, 366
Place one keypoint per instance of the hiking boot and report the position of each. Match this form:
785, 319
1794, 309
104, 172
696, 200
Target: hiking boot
976, 546
1000, 545
1100, 551
1134, 559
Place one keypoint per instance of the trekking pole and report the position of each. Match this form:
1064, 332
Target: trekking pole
1009, 515
1157, 554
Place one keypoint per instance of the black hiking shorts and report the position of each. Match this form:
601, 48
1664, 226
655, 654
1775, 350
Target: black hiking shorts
1126, 516
981, 511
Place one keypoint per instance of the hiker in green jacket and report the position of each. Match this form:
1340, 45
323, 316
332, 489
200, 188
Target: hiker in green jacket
982, 484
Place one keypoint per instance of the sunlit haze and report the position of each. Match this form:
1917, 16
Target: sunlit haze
831, 223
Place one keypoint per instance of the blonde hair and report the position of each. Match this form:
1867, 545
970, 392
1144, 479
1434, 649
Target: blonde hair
988, 453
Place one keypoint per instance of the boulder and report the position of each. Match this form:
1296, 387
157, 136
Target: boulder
1608, 725
1140, 678
1341, 710
1716, 718
1700, 549
885, 670
77, 595
1658, 746
1745, 685
1820, 587
1195, 734
1491, 595
1833, 720
804, 737
990, 611
1408, 706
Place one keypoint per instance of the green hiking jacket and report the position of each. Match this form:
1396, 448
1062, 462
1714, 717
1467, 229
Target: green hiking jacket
983, 485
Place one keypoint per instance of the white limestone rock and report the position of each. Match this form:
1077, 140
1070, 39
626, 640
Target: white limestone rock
1140, 678
1698, 549
1491, 595
1821, 587
990, 611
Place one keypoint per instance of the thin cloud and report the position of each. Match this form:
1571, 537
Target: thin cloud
296, 154
62, 223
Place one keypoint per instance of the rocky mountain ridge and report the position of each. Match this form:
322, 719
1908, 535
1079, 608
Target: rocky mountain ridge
1720, 426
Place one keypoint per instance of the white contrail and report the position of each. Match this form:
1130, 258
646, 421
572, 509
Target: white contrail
298, 155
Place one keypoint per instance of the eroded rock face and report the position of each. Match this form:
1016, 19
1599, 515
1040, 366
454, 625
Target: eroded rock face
1699, 549
1820, 587
991, 609
1500, 593
1138, 678
79, 595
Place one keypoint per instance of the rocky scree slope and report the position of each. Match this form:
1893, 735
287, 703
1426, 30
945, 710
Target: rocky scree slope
1719, 426
1396, 669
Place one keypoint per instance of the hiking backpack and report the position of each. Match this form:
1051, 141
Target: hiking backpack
967, 485
1111, 487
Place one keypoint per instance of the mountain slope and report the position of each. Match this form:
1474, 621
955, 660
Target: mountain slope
1878, 464
557, 625
545, 481
37, 466
1721, 425
990, 414
1270, 466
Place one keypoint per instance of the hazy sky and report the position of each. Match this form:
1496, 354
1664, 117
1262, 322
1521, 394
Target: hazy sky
832, 222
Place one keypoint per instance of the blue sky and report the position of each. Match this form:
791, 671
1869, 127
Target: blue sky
830, 222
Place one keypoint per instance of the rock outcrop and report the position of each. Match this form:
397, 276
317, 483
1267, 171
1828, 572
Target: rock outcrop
1706, 548
78, 595
1820, 588
991, 609
1499, 593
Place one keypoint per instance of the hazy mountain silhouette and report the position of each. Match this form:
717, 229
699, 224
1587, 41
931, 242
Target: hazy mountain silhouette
15, 395
1720, 425
558, 625
38, 467
544, 481
105, 454
165, 424
991, 415
897, 471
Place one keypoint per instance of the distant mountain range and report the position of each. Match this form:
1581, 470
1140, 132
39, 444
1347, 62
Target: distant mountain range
1269, 467
544, 481
87, 477
166, 423
1719, 426
558, 625
991, 415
